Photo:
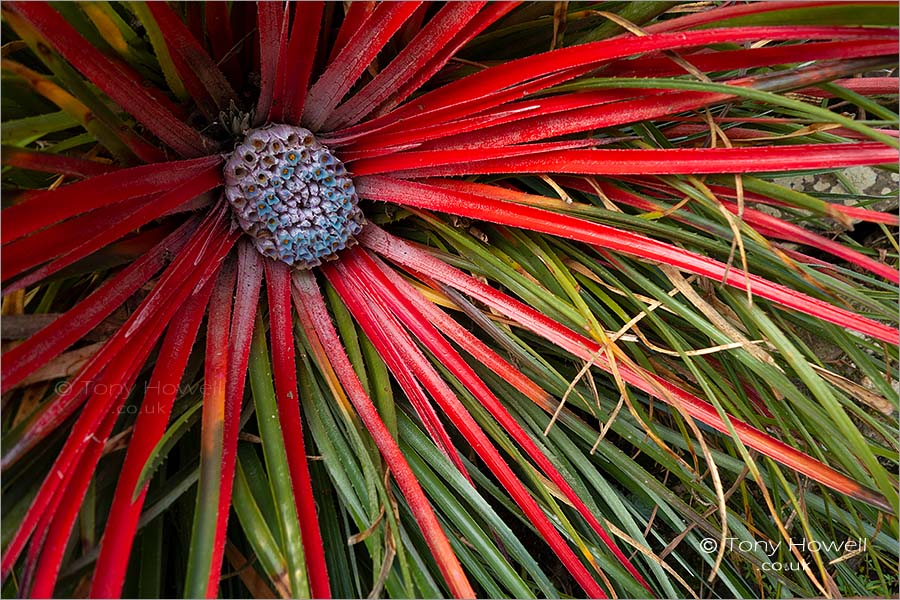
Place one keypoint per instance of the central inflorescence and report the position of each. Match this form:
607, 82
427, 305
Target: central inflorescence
292, 196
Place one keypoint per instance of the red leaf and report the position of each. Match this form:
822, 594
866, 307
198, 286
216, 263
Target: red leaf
403, 307
246, 301
353, 59
504, 152
579, 59
138, 216
120, 86
316, 322
365, 297
195, 62
49, 342
363, 134
356, 14
119, 367
867, 86
46, 244
284, 369
414, 139
439, 30
53, 163
149, 427
49, 545
221, 39
777, 228
526, 217
731, 60
272, 19
387, 347
837, 211
655, 161
573, 113
468, 342
184, 271
766, 224
301, 54
419, 261
45, 208
484, 19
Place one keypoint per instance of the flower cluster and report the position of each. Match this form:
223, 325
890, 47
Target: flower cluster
292, 196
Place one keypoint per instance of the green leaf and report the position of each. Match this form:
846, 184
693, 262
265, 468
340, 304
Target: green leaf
170, 438
160, 47
276, 461
267, 550
21, 132
417, 443
150, 579
839, 13
769, 98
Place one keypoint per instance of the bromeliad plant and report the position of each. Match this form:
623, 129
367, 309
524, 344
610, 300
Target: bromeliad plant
515, 322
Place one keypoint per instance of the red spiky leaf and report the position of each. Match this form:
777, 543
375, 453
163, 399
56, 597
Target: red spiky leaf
419, 261
284, 370
317, 323
495, 211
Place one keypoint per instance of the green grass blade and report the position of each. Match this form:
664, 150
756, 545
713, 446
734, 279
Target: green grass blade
267, 549
276, 461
